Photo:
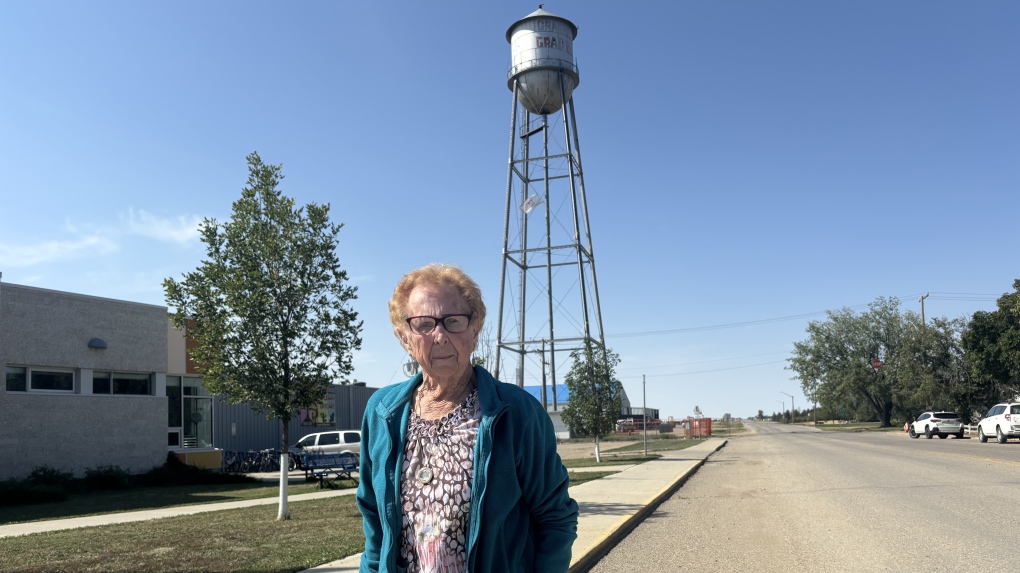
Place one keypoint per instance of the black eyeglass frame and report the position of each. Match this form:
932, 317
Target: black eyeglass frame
439, 320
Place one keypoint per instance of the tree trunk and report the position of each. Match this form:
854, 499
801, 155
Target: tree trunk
284, 513
886, 415
598, 453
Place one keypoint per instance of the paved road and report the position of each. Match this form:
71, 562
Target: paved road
798, 499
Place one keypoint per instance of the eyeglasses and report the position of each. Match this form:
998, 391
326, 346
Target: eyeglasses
453, 323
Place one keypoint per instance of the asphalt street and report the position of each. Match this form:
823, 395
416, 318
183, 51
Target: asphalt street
798, 499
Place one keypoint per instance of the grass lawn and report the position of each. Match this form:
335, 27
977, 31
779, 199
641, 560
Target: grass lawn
248, 539
136, 499
661, 445
623, 438
236, 540
577, 478
607, 461
722, 430
860, 427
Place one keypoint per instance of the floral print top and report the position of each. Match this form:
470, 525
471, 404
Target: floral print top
435, 491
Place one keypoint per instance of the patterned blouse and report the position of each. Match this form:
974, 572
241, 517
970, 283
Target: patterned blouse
435, 491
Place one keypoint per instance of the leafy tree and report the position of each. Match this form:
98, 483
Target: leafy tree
924, 365
834, 363
595, 394
269, 308
992, 344
933, 369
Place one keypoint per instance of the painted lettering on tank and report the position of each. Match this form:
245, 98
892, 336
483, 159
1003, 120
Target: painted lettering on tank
546, 26
558, 42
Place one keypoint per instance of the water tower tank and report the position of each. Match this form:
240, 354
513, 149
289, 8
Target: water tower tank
542, 46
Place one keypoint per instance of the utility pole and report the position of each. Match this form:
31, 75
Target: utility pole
793, 409
644, 413
921, 300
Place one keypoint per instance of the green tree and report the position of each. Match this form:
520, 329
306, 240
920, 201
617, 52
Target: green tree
992, 344
932, 366
270, 307
595, 394
834, 363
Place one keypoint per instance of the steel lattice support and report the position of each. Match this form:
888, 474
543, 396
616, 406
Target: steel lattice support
548, 300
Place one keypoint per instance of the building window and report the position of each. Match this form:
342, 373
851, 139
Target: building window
28, 379
16, 381
100, 382
121, 383
173, 403
52, 381
196, 405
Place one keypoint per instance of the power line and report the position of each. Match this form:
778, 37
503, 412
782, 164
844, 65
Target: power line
709, 371
972, 297
644, 368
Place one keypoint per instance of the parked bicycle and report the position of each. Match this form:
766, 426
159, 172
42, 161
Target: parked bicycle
262, 461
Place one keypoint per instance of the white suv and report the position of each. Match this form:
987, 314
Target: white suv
330, 442
1002, 421
940, 424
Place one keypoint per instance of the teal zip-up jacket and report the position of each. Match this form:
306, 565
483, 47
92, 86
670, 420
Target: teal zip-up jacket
522, 517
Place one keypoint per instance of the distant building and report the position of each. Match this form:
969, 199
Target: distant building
92, 382
85, 382
563, 396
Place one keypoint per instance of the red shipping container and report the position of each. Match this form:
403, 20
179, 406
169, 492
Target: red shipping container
701, 428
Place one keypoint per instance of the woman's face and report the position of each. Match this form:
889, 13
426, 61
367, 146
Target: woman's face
442, 355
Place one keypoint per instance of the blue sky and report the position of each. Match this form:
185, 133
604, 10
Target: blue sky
748, 164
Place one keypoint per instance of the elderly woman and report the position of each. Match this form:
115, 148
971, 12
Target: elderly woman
459, 471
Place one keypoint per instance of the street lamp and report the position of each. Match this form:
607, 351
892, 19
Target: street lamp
793, 409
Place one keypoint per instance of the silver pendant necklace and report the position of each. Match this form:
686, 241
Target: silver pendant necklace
425, 474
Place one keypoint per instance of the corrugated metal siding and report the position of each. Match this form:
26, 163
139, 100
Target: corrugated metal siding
238, 428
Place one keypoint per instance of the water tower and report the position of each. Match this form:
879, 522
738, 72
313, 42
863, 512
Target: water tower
548, 298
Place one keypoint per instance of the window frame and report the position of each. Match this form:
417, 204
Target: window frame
7, 376
30, 371
112, 378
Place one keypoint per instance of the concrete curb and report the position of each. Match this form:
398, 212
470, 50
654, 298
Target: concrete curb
610, 538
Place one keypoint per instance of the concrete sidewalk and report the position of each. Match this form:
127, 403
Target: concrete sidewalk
144, 515
610, 507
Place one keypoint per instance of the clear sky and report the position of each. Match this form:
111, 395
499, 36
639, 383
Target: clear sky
748, 164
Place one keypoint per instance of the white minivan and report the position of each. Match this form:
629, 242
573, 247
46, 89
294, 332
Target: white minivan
334, 442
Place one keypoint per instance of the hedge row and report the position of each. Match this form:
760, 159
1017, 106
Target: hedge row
46, 484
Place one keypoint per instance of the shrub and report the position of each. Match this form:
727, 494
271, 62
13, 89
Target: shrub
175, 472
105, 477
47, 476
14, 492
